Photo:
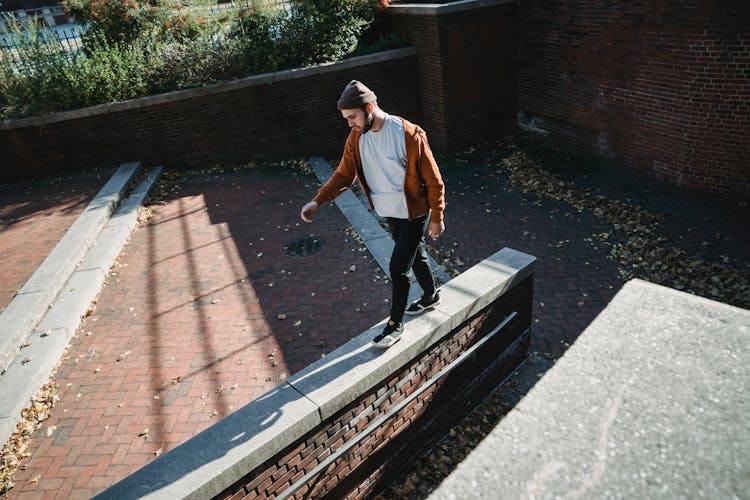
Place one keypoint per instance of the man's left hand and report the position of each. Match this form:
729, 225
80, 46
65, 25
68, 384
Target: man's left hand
435, 229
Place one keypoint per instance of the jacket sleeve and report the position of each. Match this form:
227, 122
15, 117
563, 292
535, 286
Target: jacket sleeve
343, 177
430, 173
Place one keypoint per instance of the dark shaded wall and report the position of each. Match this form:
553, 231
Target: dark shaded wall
662, 86
467, 59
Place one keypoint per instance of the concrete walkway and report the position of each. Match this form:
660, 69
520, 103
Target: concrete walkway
650, 402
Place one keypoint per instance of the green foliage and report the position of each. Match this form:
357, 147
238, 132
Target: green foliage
116, 20
40, 76
134, 48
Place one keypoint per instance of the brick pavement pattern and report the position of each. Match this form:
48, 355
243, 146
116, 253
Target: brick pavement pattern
186, 329
34, 216
189, 314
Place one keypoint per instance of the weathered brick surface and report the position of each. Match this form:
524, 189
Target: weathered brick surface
662, 87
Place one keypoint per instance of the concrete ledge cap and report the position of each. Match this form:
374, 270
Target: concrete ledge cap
651, 401
251, 81
433, 9
210, 462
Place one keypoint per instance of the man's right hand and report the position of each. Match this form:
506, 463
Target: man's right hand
308, 211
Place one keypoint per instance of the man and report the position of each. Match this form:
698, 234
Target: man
392, 161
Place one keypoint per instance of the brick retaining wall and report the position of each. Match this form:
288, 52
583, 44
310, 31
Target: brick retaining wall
272, 116
399, 440
274, 441
662, 86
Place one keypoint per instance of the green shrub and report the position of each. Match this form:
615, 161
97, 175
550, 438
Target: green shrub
40, 76
133, 49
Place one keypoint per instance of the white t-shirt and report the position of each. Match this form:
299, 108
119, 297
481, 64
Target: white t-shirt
383, 155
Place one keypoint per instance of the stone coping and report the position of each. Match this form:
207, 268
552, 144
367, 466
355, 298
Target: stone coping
178, 95
210, 462
651, 401
437, 9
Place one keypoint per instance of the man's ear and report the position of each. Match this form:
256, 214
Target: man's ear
370, 107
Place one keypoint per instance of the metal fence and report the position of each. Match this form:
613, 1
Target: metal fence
68, 34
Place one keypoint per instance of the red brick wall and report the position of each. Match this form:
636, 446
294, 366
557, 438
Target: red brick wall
293, 117
372, 462
467, 76
661, 86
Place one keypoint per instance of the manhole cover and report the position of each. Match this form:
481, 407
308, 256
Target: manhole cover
302, 247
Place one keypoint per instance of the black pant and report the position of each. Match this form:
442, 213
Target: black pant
409, 252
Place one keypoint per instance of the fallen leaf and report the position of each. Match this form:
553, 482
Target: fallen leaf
143, 433
159, 452
281, 316
51, 430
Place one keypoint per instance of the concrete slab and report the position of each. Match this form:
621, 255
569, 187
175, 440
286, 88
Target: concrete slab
471, 291
115, 188
122, 222
73, 301
222, 454
66, 255
17, 320
27, 373
652, 401
105, 250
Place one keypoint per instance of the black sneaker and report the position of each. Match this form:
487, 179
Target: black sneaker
421, 305
390, 334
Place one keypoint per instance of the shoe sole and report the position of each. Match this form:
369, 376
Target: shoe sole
431, 306
382, 345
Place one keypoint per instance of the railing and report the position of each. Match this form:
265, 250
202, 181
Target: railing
68, 34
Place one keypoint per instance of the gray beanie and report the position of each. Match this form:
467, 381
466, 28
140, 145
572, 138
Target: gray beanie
355, 95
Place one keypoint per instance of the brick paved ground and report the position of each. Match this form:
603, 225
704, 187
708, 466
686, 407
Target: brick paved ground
191, 313
191, 309
34, 215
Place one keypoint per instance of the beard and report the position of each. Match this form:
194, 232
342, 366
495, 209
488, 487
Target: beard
369, 120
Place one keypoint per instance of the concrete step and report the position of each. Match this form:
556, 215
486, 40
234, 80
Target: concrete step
48, 309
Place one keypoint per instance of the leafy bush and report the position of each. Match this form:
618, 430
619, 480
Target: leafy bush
131, 49
43, 77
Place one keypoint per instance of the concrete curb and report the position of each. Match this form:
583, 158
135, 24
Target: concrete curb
31, 302
377, 240
28, 371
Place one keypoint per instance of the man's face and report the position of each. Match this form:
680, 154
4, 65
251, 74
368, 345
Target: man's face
357, 119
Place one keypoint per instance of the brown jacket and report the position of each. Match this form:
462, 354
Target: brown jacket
423, 186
